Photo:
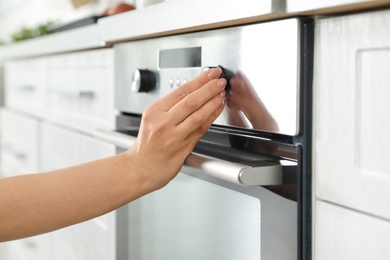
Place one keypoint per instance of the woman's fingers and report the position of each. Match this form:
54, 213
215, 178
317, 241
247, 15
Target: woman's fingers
167, 102
195, 100
202, 118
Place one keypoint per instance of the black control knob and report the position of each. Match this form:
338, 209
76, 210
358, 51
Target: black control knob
143, 80
226, 74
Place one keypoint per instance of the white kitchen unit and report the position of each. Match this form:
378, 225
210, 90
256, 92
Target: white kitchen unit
91, 240
54, 104
19, 143
346, 234
79, 90
24, 82
186, 15
82, 38
331, 6
20, 135
351, 136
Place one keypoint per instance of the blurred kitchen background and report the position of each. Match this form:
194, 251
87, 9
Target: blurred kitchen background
18, 14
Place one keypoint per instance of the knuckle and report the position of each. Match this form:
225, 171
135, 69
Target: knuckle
197, 119
182, 92
190, 104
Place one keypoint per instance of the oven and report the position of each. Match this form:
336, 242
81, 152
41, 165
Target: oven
245, 191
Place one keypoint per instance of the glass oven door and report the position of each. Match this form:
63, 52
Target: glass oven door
199, 217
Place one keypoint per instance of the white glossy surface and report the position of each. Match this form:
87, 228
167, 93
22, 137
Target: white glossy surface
19, 144
293, 6
90, 240
78, 39
344, 234
180, 14
351, 108
24, 83
80, 89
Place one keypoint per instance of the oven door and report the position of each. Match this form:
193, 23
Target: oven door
202, 214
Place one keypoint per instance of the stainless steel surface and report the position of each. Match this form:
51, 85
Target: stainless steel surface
263, 60
262, 173
236, 194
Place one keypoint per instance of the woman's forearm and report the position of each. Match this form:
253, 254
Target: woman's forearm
37, 203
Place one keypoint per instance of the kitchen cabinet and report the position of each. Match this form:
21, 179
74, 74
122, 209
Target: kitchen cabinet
53, 106
351, 111
19, 143
333, 6
32, 248
24, 82
345, 234
94, 239
351, 137
79, 90
19, 155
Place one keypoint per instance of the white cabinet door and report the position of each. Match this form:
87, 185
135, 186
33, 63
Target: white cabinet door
24, 82
351, 111
94, 239
32, 248
80, 89
344, 234
19, 143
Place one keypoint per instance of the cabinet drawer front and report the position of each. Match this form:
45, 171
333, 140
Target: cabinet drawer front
19, 143
80, 90
62, 148
351, 111
345, 234
94, 239
24, 85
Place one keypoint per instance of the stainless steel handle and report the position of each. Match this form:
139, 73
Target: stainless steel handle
262, 173
70, 93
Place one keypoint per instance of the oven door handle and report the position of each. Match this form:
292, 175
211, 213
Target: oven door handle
262, 173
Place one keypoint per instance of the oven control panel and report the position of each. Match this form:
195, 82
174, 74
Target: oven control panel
260, 62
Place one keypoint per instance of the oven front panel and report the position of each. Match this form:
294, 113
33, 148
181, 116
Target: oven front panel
192, 218
260, 61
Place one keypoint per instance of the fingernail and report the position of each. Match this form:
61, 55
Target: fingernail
222, 94
221, 82
214, 73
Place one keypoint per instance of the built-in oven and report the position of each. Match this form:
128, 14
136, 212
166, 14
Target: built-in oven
244, 192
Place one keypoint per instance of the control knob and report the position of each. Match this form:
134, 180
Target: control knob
144, 80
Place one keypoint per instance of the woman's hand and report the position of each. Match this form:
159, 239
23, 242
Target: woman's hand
172, 126
33, 204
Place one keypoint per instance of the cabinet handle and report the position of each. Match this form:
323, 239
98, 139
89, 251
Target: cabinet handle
30, 244
23, 88
262, 173
73, 94
10, 150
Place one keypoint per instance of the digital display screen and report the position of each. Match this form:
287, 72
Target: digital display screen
181, 58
